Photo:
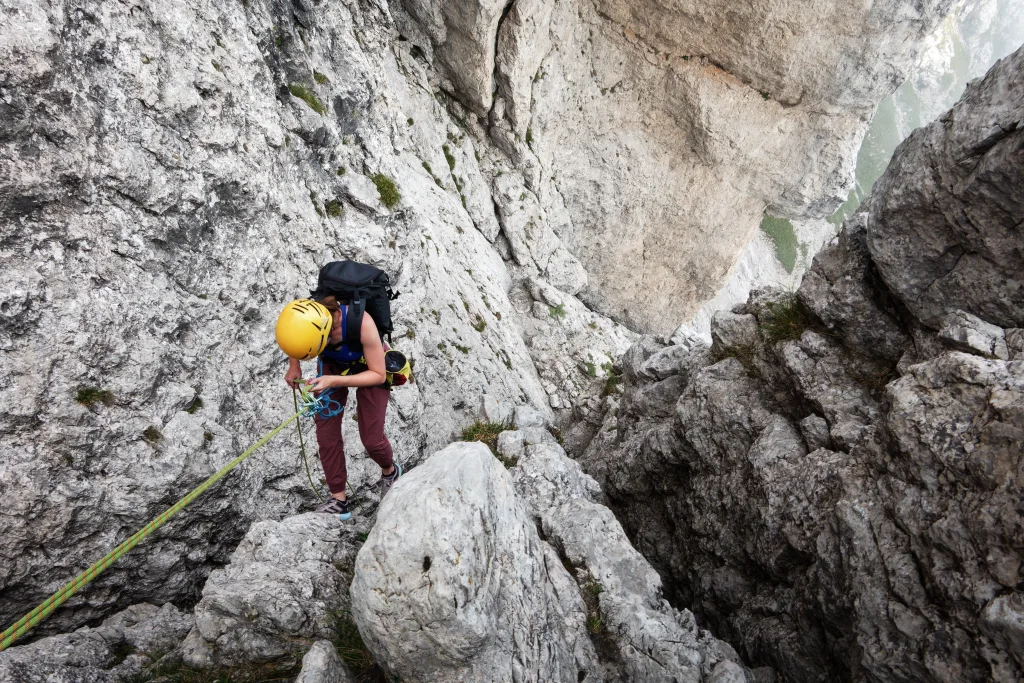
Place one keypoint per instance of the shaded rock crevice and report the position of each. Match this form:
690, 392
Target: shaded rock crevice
839, 471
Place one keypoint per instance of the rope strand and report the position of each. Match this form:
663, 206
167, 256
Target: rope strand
37, 615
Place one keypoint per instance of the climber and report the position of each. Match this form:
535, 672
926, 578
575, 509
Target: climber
317, 329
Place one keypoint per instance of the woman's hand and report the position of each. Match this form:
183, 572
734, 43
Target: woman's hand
294, 374
318, 384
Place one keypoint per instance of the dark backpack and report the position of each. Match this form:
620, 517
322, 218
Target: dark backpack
366, 289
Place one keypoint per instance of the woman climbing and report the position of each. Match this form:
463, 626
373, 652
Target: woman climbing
350, 352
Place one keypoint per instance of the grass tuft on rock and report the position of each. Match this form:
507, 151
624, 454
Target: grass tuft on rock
611, 384
350, 647
152, 434
90, 396
309, 97
487, 433
333, 208
784, 319
171, 671
386, 188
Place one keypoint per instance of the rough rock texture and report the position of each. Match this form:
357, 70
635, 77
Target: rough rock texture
175, 172
702, 150
953, 198
782, 54
973, 334
639, 636
285, 585
455, 582
166, 194
833, 490
116, 650
323, 665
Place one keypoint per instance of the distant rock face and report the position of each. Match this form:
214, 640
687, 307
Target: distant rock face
945, 221
834, 485
641, 131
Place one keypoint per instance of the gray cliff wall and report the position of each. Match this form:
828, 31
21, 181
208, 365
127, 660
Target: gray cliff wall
166, 194
658, 133
175, 172
834, 485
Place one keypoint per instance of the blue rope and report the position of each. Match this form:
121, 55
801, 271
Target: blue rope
322, 405
327, 406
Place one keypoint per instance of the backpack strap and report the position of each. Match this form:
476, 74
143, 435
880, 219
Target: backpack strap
354, 323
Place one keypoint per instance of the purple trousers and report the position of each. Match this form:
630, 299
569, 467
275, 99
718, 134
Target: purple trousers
371, 404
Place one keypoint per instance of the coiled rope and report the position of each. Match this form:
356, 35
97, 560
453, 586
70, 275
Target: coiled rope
308, 406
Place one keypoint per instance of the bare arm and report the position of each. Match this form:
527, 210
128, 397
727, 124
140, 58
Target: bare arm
373, 352
294, 373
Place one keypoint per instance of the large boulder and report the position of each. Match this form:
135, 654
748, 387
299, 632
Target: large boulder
946, 214
454, 582
284, 588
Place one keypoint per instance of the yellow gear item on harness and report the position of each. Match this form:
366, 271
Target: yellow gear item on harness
303, 328
397, 368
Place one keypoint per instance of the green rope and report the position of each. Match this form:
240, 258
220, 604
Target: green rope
302, 449
44, 610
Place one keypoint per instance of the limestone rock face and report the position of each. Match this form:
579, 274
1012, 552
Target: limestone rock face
945, 216
285, 585
973, 334
175, 173
166, 193
636, 127
116, 650
781, 54
831, 488
323, 665
454, 583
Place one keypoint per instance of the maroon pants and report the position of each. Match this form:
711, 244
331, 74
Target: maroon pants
371, 403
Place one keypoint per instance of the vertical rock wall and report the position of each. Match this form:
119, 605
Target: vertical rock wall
175, 172
834, 485
658, 133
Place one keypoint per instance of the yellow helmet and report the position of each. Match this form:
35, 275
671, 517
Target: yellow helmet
302, 329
